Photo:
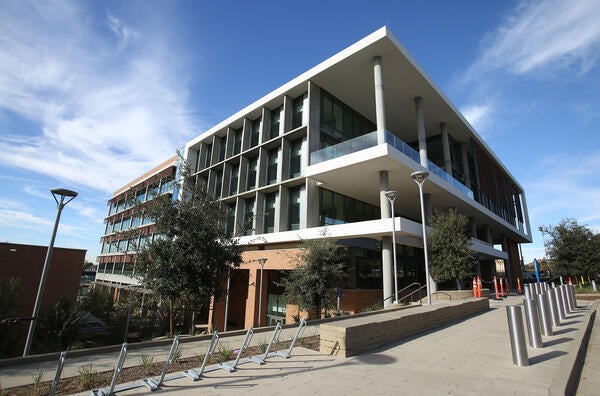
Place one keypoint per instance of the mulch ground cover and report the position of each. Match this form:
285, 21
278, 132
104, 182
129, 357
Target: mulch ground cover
90, 379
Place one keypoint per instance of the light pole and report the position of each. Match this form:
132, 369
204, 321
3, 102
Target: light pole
419, 178
391, 196
62, 193
262, 262
541, 229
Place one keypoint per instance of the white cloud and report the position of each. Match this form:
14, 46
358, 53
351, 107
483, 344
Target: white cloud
479, 116
545, 36
110, 106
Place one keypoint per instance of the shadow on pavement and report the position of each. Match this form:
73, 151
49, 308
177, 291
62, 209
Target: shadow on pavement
557, 341
545, 356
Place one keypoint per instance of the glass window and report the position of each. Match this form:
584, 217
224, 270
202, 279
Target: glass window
118, 268
230, 219
166, 184
269, 225
121, 205
218, 183
109, 268
152, 191
237, 141
249, 216
272, 166
233, 181
126, 223
295, 159
208, 155
251, 181
117, 225
255, 132
221, 149
275, 121
140, 196
128, 268
340, 122
109, 227
294, 208
338, 209
297, 111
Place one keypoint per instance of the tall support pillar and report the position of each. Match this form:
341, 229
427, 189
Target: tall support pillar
446, 148
386, 242
421, 132
473, 234
379, 99
525, 213
507, 268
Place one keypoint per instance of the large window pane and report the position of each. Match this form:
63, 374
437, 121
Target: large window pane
297, 113
269, 225
251, 180
255, 132
272, 166
296, 159
294, 208
249, 216
275, 121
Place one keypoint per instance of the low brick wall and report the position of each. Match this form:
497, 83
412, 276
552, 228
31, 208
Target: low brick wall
350, 337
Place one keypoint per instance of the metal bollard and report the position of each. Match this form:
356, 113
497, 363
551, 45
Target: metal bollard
553, 307
594, 286
573, 299
559, 303
565, 298
544, 311
517, 335
528, 291
533, 324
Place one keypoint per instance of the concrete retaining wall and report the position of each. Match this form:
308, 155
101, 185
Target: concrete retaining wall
350, 337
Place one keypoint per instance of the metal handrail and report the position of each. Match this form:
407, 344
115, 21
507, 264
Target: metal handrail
410, 295
412, 284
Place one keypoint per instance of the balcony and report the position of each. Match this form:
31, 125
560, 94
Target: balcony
370, 140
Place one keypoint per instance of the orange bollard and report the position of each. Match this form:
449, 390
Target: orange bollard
479, 286
474, 287
519, 290
570, 281
496, 287
501, 287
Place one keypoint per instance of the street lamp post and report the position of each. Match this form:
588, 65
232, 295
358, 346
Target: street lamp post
419, 178
60, 203
541, 229
262, 262
391, 196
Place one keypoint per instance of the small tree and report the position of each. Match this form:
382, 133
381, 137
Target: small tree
320, 269
573, 249
190, 259
450, 253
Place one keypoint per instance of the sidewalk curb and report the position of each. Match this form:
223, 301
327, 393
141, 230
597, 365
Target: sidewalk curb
567, 377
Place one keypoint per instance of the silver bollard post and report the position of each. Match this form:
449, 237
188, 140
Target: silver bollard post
545, 319
594, 286
553, 307
528, 291
573, 299
517, 335
533, 323
565, 298
559, 303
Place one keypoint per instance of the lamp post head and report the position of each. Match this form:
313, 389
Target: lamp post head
262, 261
391, 195
540, 229
63, 192
419, 176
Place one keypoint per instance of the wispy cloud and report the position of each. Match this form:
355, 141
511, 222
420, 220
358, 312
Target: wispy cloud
479, 116
109, 105
543, 36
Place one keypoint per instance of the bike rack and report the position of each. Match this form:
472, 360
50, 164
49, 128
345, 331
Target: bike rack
261, 360
61, 363
153, 384
118, 367
231, 367
287, 354
195, 375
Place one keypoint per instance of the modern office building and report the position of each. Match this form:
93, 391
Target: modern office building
128, 227
317, 155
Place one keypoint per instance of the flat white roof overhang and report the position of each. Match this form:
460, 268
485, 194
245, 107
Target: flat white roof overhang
408, 233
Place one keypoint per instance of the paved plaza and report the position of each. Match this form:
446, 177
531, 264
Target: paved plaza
471, 357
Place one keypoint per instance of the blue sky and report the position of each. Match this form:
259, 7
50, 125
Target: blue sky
95, 93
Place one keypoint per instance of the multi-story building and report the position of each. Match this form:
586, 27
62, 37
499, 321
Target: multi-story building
128, 227
318, 154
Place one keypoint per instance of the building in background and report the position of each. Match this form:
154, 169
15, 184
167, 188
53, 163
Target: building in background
317, 155
128, 227
25, 263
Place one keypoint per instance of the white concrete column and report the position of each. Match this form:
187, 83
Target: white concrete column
386, 242
421, 132
379, 99
446, 148
525, 213
465, 161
